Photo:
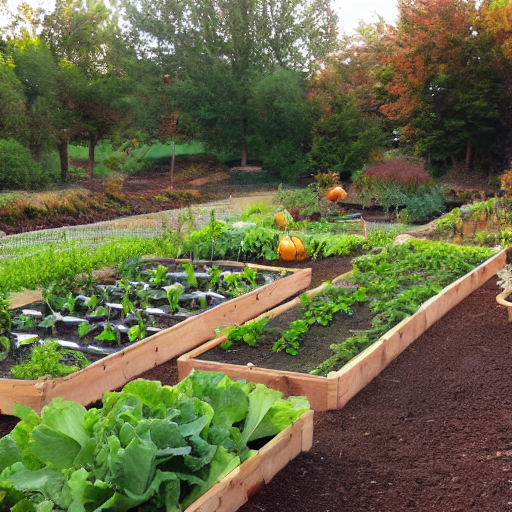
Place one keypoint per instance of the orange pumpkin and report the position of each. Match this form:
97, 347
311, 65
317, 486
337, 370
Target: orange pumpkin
280, 219
292, 249
336, 194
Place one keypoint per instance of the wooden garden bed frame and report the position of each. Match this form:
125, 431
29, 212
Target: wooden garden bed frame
335, 390
237, 487
113, 371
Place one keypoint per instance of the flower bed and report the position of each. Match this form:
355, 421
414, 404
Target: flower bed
132, 358
337, 387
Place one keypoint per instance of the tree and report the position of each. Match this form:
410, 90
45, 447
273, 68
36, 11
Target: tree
84, 33
85, 39
344, 136
215, 48
12, 106
105, 107
283, 123
36, 69
448, 83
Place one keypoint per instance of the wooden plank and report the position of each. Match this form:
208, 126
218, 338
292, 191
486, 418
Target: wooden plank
236, 488
21, 299
28, 392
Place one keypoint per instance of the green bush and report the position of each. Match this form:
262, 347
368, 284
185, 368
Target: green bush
287, 161
421, 205
16, 166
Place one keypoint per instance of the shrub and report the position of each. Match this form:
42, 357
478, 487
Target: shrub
399, 170
16, 166
287, 161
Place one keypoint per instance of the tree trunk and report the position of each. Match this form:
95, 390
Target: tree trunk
467, 163
36, 150
243, 162
92, 147
62, 147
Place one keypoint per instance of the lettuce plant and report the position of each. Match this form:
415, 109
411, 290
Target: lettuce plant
150, 446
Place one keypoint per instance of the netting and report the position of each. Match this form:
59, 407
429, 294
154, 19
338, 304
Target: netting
143, 226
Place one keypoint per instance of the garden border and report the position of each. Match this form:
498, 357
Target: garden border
230, 493
115, 370
335, 390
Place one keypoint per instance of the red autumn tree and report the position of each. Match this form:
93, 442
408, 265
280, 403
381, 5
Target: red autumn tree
448, 83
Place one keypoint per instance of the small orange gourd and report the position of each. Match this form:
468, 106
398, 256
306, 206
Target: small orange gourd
336, 194
280, 219
292, 249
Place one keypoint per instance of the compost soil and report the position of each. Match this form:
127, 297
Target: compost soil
314, 347
432, 432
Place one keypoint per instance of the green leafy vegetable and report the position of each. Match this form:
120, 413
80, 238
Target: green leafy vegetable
149, 444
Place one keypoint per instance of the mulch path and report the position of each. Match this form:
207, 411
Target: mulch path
432, 432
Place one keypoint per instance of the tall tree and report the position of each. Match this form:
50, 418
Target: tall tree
36, 69
219, 46
84, 36
12, 106
344, 135
448, 83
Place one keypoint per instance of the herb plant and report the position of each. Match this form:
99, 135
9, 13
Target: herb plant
50, 359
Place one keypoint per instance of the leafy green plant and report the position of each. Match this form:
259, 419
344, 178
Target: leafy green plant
174, 293
138, 331
109, 333
190, 273
343, 353
248, 333
149, 446
215, 274
50, 359
5, 347
5, 316
290, 340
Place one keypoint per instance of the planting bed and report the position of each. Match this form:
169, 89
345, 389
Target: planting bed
334, 390
193, 324
154, 446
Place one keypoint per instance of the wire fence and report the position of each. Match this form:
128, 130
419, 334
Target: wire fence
139, 226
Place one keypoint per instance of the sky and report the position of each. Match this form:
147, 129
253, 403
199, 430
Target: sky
349, 11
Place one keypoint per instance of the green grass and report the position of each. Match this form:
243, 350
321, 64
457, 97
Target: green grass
164, 151
154, 152
55, 262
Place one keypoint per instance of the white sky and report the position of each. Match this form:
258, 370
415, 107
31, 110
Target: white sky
349, 11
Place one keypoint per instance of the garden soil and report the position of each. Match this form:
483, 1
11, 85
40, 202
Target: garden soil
432, 432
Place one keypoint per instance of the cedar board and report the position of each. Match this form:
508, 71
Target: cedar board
335, 390
88, 385
237, 487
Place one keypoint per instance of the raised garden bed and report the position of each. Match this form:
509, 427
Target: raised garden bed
334, 390
114, 370
207, 443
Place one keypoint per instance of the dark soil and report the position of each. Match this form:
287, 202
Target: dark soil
314, 348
